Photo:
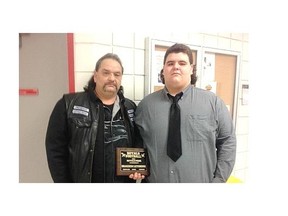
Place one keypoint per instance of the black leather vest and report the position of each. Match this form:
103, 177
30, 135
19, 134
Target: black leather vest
82, 116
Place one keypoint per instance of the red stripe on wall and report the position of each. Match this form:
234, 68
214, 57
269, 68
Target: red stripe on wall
71, 74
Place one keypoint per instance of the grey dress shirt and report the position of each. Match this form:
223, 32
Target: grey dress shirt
207, 133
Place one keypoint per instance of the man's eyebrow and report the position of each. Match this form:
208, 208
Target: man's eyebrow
181, 61
107, 70
170, 61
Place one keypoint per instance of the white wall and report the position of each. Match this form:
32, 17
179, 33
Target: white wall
131, 49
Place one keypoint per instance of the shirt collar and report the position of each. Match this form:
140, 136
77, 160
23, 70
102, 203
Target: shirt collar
184, 91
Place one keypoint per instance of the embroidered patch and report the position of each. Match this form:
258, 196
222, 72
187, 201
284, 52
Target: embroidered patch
131, 114
130, 111
80, 110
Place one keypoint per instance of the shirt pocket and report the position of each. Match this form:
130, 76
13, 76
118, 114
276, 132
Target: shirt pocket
200, 127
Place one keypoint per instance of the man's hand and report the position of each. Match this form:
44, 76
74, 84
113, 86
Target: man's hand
136, 176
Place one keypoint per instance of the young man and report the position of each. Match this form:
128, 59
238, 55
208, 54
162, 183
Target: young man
192, 138
86, 128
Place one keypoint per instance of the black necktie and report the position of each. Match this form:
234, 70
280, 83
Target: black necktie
174, 149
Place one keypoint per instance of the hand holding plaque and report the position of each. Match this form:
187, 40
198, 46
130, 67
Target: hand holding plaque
131, 160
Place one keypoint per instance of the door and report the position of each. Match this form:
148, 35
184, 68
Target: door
43, 79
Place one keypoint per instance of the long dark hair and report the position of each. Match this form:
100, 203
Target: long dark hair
177, 48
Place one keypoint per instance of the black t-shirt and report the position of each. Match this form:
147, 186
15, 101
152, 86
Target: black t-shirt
115, 135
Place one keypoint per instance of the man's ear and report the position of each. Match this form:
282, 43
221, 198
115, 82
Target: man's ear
162, 77
192, 69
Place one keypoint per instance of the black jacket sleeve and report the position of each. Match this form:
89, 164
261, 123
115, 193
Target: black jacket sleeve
57, 144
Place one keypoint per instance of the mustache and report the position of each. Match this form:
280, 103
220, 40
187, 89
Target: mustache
110, 83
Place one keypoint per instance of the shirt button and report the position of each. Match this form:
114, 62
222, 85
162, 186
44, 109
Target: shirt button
171, 171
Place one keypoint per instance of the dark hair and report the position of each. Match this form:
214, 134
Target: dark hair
177, 48
91, 84
109, 56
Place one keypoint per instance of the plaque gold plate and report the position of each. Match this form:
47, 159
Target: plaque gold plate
131, 160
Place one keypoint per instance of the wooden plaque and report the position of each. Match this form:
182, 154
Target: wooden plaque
131, 160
